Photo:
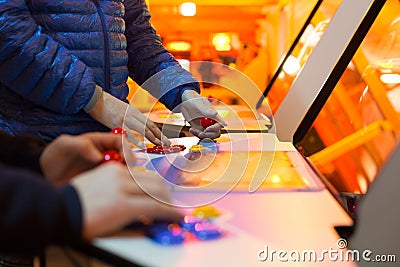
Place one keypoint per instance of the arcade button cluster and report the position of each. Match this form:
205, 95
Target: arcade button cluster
189, 228
196, 148
113, 155
206, 212
164, 149
167, 234
119, 130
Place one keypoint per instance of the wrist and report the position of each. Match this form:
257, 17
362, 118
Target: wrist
109, 110
98, 91
189, 94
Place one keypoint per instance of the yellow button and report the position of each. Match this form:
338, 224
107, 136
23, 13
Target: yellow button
140, 168
196, 148
206, 212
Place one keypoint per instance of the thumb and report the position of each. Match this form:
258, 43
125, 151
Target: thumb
86, 149
93, 154
134, 140
220, 120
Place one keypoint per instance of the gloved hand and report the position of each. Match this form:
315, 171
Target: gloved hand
193, 108
112, 112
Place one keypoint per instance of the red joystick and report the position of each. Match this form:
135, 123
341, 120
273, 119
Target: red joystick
111, 155
119, 130
206, 122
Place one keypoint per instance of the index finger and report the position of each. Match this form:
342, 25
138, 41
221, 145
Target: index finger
111, 141
220, 120
210, 112
105, 141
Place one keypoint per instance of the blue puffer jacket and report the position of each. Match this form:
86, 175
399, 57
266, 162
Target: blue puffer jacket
54, 52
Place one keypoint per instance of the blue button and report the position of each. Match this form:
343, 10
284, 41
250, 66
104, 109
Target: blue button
167, 234
188, 222
206, 231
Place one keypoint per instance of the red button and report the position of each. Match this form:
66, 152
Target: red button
111, 155
206, 122
119, 130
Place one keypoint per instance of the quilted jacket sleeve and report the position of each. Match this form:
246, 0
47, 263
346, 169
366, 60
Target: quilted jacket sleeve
38, 68
21, 151
147, 56
33, 213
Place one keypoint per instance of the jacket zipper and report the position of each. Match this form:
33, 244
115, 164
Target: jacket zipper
107, 82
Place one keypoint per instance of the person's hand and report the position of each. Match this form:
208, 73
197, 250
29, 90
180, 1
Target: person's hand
193, 108
111, 199
113, 112
67, 155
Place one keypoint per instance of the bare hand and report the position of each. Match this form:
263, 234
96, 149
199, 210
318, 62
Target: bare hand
70, 155
113, 112
111, 199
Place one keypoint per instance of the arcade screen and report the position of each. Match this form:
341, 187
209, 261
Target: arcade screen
296, 56
358, 126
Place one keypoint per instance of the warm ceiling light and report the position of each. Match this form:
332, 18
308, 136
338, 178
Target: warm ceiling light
390, 78
187, 9
222, 42
291, 65
178, 46
276, 179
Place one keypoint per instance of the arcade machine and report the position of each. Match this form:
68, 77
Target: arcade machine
376, 231
256, 198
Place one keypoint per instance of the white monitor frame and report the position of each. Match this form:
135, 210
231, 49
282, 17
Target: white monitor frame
325, 65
